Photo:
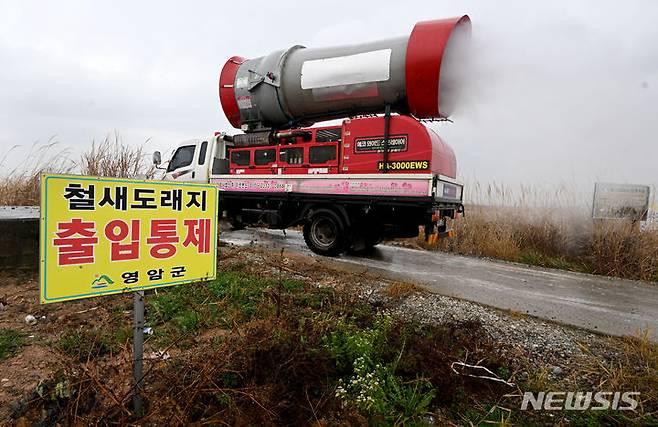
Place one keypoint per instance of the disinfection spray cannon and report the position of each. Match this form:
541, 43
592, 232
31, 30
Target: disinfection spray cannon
416, 75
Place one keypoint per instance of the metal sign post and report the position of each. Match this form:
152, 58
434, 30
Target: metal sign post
138, 349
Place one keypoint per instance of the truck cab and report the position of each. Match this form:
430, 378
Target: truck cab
195, 160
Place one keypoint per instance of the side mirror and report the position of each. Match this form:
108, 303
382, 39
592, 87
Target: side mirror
157, 158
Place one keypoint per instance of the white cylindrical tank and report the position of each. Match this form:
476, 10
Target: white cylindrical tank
296, 87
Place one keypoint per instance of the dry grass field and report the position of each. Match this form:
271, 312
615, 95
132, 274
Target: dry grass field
110, 157
552, 229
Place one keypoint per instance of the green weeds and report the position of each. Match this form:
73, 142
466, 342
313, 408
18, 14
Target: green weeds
371, 384
232, 297
87, 344
532, 257
263, 351
10, 341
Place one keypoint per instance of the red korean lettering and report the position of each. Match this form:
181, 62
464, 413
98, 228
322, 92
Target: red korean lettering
119, 230
197, 234
163, 237
75, 242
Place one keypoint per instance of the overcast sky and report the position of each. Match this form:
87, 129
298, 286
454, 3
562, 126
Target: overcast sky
560, 91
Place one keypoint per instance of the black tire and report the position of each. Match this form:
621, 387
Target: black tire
324, 233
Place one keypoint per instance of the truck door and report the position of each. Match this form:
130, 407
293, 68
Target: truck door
182, 164
202, 168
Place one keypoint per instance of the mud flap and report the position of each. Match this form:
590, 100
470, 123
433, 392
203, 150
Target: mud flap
433, 238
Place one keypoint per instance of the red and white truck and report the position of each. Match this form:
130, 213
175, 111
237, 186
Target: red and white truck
378, 173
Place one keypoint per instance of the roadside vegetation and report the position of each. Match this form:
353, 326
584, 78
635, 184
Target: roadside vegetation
263, 344
110, 157
551, 229
270, 350
10, 342
85, 344
609, 248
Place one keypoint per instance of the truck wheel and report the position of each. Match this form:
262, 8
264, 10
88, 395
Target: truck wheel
324, 233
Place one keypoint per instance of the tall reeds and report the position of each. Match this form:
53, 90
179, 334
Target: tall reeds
552, 228
111, 157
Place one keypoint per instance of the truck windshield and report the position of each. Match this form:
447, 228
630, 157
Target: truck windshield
182, 157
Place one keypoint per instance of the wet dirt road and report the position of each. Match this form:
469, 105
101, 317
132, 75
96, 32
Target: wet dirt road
607, 305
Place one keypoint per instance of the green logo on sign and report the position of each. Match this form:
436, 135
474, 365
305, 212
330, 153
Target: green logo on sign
102, 281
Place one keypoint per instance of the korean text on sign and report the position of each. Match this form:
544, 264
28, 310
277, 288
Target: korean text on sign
105, 235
